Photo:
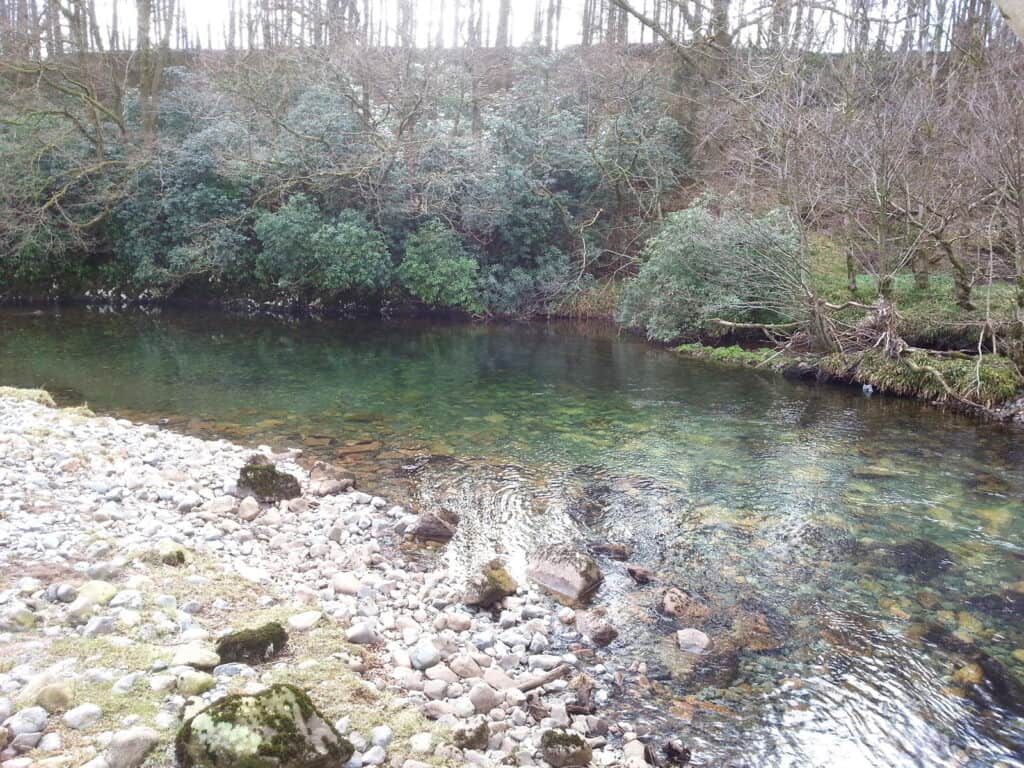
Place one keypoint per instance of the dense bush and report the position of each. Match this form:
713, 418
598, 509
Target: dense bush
303, 250
438, 271
294, 176
705, 264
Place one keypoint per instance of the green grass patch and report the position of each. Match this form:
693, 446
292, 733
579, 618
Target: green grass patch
930, 317
734, 355
992, 382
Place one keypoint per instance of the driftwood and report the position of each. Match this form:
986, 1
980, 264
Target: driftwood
536, 682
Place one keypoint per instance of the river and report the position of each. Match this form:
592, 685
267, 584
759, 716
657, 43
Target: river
875, 543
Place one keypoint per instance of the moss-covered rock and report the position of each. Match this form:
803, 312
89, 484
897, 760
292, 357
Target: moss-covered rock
252, 646
490, 586
171, 552
277, 728
472, 735
266, 482
564, 748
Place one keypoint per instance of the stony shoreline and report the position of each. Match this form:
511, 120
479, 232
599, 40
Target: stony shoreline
128, 550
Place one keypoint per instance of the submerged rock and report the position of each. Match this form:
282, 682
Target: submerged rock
1009, 603
989, 684
684, 606
490, 586
614, 551
692, 640
640, 575
252, 646
261, 479
594, 626
565, 748
752, 632
921, 557
277, 728
568, 575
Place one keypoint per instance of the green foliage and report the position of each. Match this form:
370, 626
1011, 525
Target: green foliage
523, 288
303, 250
704, 264
186, 217
438, 271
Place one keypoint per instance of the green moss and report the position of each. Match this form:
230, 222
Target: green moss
565, 748
490, 586
261, 731
498, 578
268, 483
734, 354
252, 646
561, 740
995, 381
100, 652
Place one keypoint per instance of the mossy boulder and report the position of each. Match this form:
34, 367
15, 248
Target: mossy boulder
490, 586
171, 552
276, 728
564, 748
266, 482
252, 646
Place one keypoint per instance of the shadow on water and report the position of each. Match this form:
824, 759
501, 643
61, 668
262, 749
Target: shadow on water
849, 558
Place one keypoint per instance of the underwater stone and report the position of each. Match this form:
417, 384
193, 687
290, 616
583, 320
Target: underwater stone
252, 646
684, 606
263, 480
490, 586
594, 625
921, 557
277, 728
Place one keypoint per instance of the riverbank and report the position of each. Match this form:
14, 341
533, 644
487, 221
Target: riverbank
131, 552
990, 387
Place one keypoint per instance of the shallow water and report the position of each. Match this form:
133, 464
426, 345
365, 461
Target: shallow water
764, 497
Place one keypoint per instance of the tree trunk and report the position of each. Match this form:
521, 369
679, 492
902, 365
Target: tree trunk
501, 39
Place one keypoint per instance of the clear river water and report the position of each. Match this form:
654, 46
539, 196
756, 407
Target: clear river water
854, 552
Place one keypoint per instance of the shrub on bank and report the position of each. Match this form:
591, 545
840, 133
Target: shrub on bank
438, 271
705, 265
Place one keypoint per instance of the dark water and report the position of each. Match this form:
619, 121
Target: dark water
813, 514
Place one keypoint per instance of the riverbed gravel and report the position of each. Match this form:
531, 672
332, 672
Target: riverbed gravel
126, 550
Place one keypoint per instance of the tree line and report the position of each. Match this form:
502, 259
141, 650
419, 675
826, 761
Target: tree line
343, 151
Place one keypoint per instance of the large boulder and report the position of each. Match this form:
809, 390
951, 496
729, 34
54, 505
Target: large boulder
253, 645
489, 586
277, 728
570, 576
262, 480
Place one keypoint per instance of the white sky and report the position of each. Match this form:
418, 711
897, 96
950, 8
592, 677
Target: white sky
210, 17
